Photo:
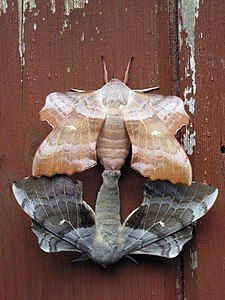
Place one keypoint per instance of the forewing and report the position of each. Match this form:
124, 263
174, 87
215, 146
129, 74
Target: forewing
71, 147
155, 151
56, 205
170, 110
165, 210
60, 105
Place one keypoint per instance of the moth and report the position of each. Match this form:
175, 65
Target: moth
102, 124
160, 226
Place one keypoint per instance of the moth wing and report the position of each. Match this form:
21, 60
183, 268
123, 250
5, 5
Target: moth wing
71, 147
49, 242
56, 205
165, 210
170, 246
170, 110
60, 105
156, 153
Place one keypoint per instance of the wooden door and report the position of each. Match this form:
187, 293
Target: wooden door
48, 46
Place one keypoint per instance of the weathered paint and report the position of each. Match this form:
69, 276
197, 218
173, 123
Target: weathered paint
73, 4
189, 140
3, 6
65, 25
189, 11
82, 37
69, 5
22, 7
194, 259
47, 64
53, 7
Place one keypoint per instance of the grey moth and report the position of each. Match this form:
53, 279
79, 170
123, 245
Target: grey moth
160, 226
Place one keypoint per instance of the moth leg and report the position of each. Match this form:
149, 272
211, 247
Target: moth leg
134, 260
105, 73
81, 258
126, 75
147, 90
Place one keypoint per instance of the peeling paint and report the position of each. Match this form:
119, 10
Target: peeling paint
189, 141
3, 6
73, 4
53, 7
97, 30
35, 26
36, 13
189, 12
68, 4
65, 25
194, 259
22, 7
82, 37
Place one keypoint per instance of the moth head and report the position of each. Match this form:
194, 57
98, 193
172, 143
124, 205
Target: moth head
116, 80
106, 255
110, 178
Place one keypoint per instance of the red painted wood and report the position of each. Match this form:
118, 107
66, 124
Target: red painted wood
57, 61
204, 265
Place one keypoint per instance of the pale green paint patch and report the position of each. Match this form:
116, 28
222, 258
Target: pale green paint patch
3, 6
189, 11
73, 4
23, 5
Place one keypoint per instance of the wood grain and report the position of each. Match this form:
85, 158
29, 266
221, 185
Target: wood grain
65, 52
204, 269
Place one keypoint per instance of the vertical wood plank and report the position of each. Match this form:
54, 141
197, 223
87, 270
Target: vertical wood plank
63, 51
202, 56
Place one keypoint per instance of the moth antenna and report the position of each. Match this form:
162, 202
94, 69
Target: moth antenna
147, 90
126, 75
105, 73
131, 258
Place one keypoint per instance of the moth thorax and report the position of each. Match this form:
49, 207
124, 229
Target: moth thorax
113, 142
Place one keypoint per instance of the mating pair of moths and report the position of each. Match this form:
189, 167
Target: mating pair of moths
102, 124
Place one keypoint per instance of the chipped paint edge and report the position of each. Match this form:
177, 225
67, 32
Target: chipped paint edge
188, 14
73, 4
23, 5
3, 6
69, 5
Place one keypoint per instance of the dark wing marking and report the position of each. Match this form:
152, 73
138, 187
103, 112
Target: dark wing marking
49, 242
56, 205
170, 246
166, 209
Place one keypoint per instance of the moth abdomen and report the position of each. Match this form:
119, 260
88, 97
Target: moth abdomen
113, 142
